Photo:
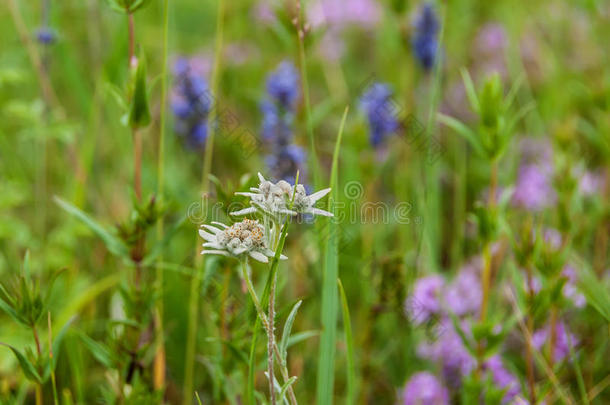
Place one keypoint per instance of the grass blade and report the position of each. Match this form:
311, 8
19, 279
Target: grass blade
326, 361
349, 343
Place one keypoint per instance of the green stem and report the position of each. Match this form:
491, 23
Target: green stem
159, 368
207, 166
270, 340
264, 320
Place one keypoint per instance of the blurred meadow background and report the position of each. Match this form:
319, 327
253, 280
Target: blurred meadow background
467, 146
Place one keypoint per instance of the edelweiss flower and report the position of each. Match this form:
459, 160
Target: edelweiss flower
242, 238
275, 199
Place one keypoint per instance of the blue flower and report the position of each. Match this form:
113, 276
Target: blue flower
191, 104
283, 85
425, 40
284, 158
45, 36
379, 109
285, 162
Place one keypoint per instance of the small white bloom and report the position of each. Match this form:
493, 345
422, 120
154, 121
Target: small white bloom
275, 199
242, 238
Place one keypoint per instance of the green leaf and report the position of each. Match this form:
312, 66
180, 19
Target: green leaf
288, 329
326, 359
100, 351
597, 294
57, 341
139, 114
26, 366
6, 307
464, 131
470, 91
158, 248
114, 245
284, 388
349, 343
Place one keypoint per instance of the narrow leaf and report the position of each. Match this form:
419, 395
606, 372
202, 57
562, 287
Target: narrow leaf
114, 245
26, 366
288, 329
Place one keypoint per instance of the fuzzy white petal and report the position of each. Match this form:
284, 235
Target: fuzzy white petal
317, 211
220, 224
318, 194
212, 245
212, 229
207, 236
259, 256
245, 211
260, 177
215, 252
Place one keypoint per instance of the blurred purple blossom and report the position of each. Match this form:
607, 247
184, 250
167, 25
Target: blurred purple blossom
284, 158
463, 295
502, 378
339, 13
424, 389
424, 302
46, 36
533, 190
425, 38
191, 102
377, 104
563, 339
570, 291
449, 350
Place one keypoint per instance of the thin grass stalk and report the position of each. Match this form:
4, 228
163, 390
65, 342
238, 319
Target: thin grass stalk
270, 340
431, 183
160, 363
53, 381
187, 397
529, 356
306, 100
326, 359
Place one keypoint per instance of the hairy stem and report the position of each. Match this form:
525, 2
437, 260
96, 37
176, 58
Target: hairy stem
529, 354
270, 339
263, 317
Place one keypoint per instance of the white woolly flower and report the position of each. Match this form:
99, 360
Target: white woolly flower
275, 199
242, 238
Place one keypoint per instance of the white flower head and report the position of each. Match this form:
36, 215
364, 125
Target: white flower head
275, 199
242, 238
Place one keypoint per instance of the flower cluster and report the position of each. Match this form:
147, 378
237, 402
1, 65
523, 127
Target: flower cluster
424, 388
242, 238
434, 299
274, 202
377, 104
533, 189
281, 199
425, 40
285, 158
191, 103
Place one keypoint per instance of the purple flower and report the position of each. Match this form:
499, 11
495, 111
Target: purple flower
563, 339
191, 103
425, 40
569, 289
449, 350
463, 295
283, 85
590, 183
284, 158
380, 111
424, 389
339, 13
424, 302
45, 36
533, 190
502, 378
